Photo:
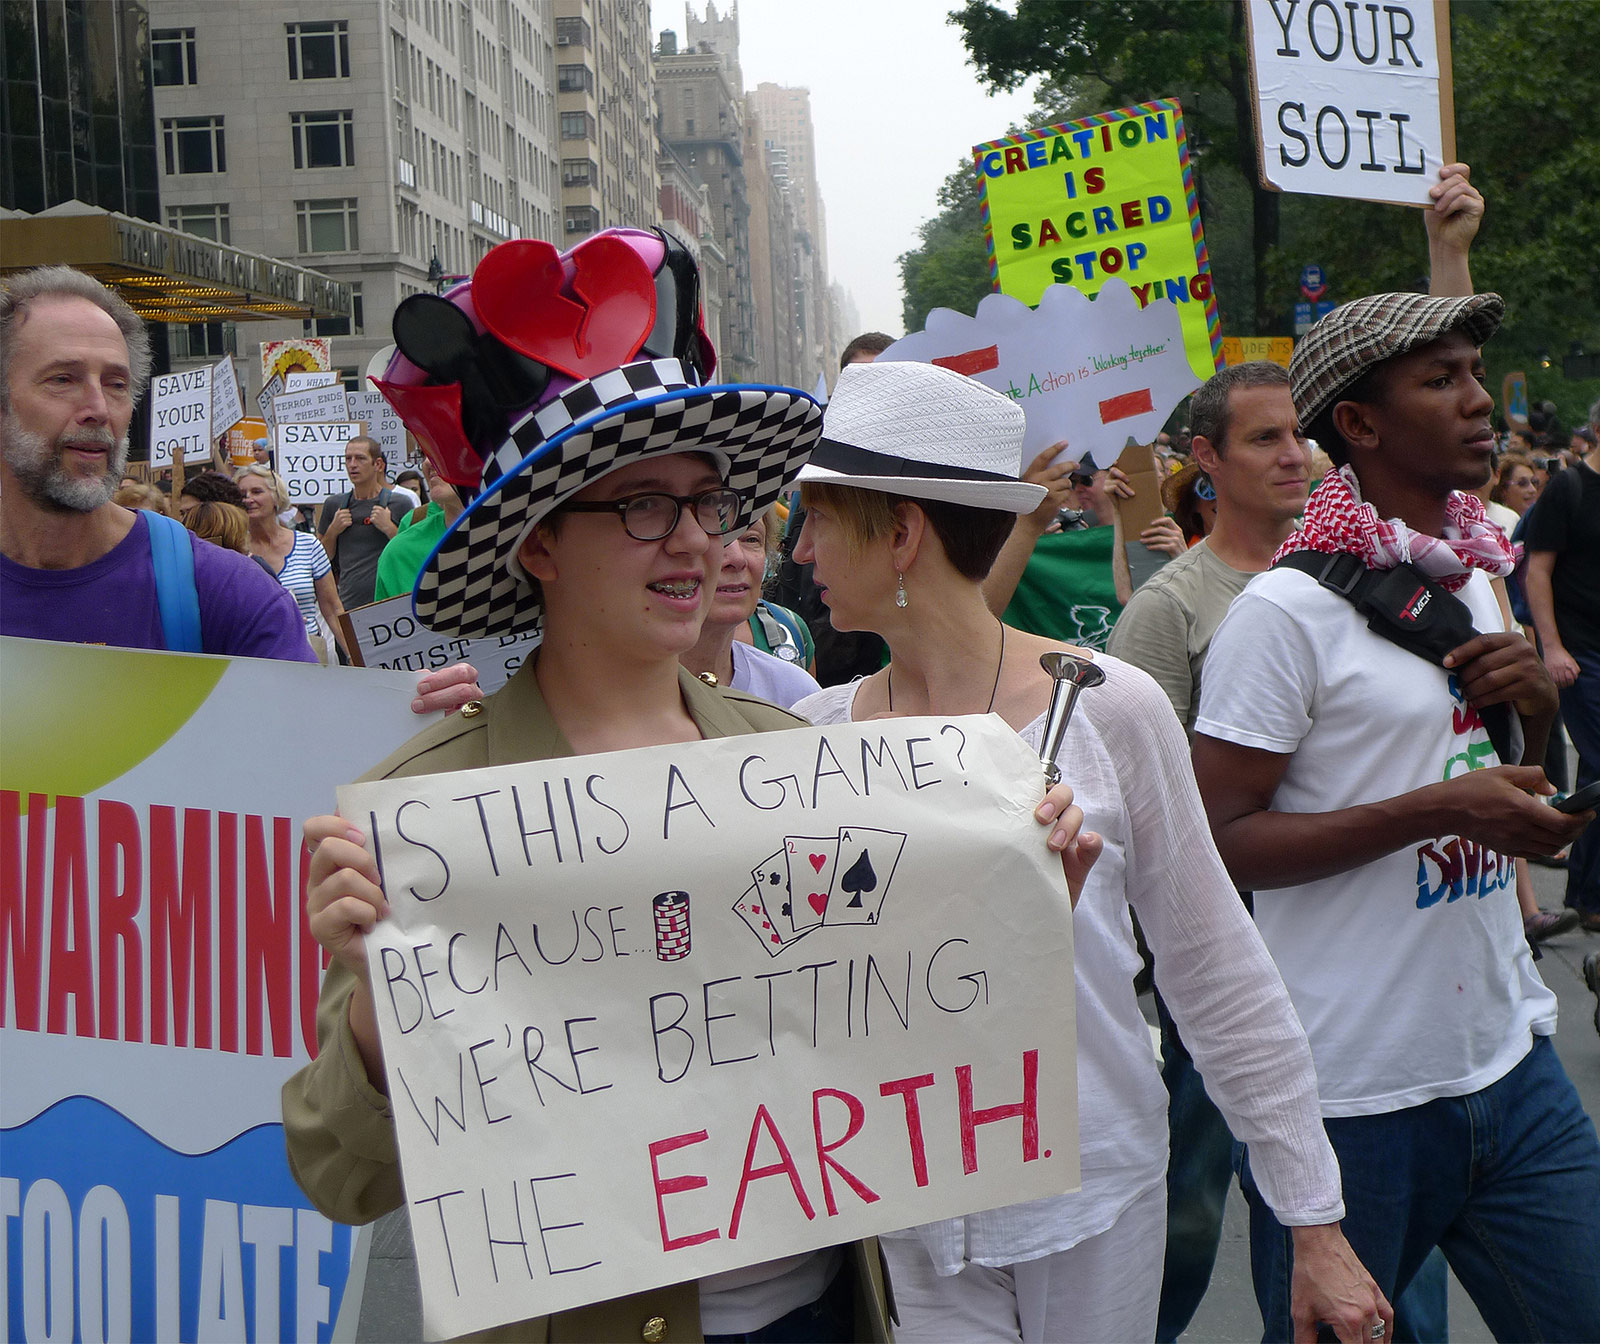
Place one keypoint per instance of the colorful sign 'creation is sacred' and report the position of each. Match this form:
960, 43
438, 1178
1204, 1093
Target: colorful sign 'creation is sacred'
158, 983
1110, 196
688, 1008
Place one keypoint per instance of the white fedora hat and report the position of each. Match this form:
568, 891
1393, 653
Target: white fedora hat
923, 431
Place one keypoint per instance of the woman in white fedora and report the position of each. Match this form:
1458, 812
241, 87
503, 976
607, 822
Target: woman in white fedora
909, 496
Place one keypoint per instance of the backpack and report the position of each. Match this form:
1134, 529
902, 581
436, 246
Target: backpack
172, 558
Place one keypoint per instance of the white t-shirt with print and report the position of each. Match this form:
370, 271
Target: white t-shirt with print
1411, 974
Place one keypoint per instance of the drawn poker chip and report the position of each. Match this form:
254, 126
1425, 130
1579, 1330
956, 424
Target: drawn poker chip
671, 913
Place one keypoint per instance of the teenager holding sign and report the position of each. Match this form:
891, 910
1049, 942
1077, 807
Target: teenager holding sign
604, 514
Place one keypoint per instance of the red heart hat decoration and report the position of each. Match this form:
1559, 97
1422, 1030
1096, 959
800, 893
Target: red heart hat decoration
597, 322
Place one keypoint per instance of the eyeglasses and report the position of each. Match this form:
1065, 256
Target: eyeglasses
654, 516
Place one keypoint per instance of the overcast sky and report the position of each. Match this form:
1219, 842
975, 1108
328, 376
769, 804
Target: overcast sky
896, 108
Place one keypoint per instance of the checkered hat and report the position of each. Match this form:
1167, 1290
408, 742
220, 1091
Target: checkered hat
1355, 336
471, 586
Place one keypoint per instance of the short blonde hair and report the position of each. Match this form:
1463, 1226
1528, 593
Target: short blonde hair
141, 496
280, 492
971, 537
227, 525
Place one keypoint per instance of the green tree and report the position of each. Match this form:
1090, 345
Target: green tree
1523, 75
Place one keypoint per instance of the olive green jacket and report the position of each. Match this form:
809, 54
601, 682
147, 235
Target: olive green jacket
340, 1128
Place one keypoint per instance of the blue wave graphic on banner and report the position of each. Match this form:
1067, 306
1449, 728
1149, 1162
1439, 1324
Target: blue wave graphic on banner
107, 1228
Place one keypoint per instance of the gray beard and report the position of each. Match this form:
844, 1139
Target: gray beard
36, 463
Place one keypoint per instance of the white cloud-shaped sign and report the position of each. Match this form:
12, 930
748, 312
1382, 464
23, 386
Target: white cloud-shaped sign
1095, 372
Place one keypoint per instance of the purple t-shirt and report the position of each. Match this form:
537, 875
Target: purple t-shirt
244, 612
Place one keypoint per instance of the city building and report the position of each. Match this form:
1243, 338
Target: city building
686, 213
785, 115
388, 144
606, 100
701, 121
780, 318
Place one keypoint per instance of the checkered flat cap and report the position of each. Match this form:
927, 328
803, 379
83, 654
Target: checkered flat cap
1355, 336
759, 436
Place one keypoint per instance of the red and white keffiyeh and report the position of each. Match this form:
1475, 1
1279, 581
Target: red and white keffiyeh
1337, 521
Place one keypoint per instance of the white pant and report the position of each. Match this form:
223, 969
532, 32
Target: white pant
1104, 1290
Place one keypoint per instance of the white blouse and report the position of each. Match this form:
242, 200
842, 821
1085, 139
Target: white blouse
1127, 760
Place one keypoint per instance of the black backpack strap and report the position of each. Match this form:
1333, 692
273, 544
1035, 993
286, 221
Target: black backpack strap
1408, 609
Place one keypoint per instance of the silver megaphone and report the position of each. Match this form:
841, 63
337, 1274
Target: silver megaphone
1070, 674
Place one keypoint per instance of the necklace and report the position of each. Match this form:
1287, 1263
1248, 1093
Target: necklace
993, 690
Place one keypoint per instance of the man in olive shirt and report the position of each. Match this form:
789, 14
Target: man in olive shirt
355, 527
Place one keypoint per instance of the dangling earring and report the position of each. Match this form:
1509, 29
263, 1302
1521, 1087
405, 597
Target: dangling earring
900, 589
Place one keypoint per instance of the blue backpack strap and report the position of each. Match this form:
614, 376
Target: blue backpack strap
172, 556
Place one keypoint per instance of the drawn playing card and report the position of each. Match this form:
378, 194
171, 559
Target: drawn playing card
771, 877
753, 910
811, 860
867, 860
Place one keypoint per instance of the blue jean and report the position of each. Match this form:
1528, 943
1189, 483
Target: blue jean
1199, 1169
1505, 1181
1580, 707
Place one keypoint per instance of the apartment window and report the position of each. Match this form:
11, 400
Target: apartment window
582, 219
319, 50
354, 325
203, 221
574, 78
328, 225
194, 145
577, 172
324, 139
577, 126
203, 340
172, 56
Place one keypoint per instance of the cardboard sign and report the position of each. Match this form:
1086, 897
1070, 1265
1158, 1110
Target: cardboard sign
1105, 197
1246, 349
311, 403
311, 459
241, 441
1514, 397
372, 408
1352, 100
180, 416
304, 354
298, 382
161, 986
387, 634
265, 398
679, 1010
227, 406
1091, 371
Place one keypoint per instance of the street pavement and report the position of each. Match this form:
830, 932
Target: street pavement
1229, 1315
391, 1309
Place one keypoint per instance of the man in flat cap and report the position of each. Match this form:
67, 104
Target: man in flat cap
1368, 774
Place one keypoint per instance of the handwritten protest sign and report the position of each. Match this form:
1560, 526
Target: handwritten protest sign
227, 406
161, 986
298, 382
311, 459
1244, 349
372, 408
264, 398
309, 404
1352, 100
1106, 197
180, 416
682, 1009
1094, 372
386, 634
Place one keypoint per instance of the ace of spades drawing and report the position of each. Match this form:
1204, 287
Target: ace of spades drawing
811, 860
867, 862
